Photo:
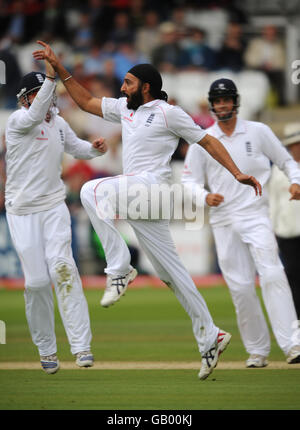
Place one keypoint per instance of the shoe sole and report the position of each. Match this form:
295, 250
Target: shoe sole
85, 364
221, 348
253, 366
132, 276
294, 360
51, 371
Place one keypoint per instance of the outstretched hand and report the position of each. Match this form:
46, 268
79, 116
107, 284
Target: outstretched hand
249, 180
46, 54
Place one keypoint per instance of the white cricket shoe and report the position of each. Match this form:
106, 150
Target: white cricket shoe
211, 357
294, 355
50, 363
256, 360
116, 286
84, 359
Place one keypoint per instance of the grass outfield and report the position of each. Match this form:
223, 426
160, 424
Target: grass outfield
148, 325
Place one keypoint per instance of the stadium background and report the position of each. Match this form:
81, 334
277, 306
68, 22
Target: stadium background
192, 43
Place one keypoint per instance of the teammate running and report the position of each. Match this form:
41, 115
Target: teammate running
241, 226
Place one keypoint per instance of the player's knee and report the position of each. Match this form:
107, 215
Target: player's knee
243, 296
271, 275
62, 272
37, 282
85, 193
37, 285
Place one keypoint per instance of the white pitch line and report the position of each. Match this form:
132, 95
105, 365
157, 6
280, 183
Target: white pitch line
145, 365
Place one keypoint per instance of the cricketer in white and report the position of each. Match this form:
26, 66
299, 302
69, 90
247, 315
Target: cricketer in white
150, 133
39, 221
242, 230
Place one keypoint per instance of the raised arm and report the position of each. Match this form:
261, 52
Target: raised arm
79, 94
215, 148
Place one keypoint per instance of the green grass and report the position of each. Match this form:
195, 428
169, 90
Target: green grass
147, 325
151, 389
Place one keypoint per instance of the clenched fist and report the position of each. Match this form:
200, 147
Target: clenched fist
295, 192
100, 145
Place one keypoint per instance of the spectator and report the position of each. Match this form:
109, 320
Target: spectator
122, 31
100, 63
13, 76
101, 19
33, 13
147, 36
285, 215
267, 53
125, 58
83, 36
201, 56
178, 18
16, 28
231, 54
74, 177
110, 78
93, 63
54, 22
168, 56
203, 117
136, 12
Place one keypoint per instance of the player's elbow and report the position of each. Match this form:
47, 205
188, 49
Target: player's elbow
207, 141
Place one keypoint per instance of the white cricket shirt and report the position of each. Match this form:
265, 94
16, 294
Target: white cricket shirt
252, 146
34, 154
284, 213
150, 134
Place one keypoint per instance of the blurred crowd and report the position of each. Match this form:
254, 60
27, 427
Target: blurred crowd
98, 41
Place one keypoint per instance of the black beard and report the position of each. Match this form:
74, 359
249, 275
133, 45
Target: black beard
136, 100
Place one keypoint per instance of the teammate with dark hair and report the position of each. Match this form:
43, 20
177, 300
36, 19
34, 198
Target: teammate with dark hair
241, 226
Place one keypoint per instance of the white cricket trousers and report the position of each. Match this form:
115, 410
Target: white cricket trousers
155, 239
243, 248
43, 243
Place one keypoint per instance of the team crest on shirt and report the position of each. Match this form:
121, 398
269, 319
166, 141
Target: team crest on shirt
149, 120
62, 137
248, 148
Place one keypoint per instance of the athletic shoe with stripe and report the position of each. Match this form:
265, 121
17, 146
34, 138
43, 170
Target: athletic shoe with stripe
256, 360
116, 286
50, 363
294, 355
84, 359
211, 357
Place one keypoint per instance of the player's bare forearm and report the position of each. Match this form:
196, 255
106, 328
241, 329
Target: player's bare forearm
50, 72
215, 148
79, 94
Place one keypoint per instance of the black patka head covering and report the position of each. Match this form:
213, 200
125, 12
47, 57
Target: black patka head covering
149, 74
